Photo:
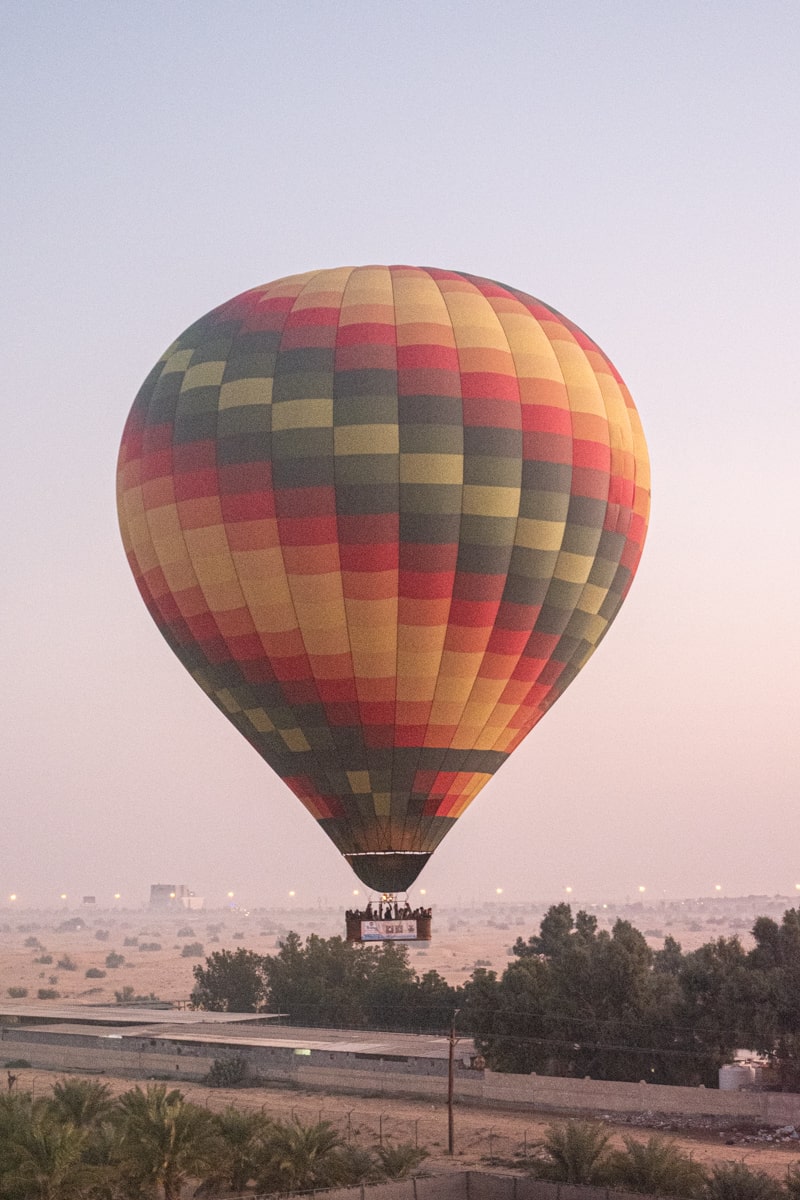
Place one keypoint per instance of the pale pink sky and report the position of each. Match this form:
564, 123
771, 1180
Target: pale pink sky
636, 166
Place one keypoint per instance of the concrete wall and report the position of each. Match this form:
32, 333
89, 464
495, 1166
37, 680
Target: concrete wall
346, 1071
472, 1185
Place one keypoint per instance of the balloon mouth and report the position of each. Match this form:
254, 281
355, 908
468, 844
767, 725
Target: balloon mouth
389, 870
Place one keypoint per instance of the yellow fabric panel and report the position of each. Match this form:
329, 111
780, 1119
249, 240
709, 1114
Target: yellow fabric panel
482, 501
313, 591
271, 618
421, 687
294, 739
325, 639
223, 595
179, 574
205, 374
539, 535
368, 296
213, 570
534, 357
581, 381
359, 782
240, 393
307, 413
177, 361
421, 314
366, 439
383, 803
206, 541
485, 358
431, 468
229, 701
322, 289
573, 568
259, 720
260, 566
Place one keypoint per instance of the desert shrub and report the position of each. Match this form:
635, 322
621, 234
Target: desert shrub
149, 945
131, 941
101, 935
33, 943
17, 993
22, 1063
48, 994
44, 959
185, 932
227, 1072
127, 995
114, 960
67, 963
238, 936
95, 973
192, 950
52, 979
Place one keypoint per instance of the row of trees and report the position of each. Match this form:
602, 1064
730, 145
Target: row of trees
579, 1152
148, 1144
576, 1000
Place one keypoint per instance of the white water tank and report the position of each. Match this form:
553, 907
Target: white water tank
734, 1077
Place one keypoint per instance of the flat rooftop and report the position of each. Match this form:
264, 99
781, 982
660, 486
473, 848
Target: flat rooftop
119, 1014
237, 1029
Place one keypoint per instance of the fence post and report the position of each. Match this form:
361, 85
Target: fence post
416, 1134
380, 1129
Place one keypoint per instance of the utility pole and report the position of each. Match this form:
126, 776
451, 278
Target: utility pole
453, 1039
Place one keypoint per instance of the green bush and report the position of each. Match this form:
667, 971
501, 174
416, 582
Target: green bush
227, 1072
95, 973
149, 945
44, 959
114, 960
48, 994
22, 1063
17, 993
67, 963
192, 950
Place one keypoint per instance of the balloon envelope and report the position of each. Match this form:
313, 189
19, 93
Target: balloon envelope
383, 515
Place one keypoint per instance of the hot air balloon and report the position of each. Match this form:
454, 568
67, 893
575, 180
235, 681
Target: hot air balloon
383, 516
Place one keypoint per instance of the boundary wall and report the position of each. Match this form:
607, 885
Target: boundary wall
180, 1056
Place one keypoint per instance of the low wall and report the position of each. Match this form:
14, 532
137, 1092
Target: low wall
345, 1071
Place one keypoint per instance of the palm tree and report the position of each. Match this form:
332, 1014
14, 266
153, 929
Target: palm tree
576, 1152
657, 1167
164, 1139
297, 1156
397, 1162
736, 1181
48, 1162
242, 1137
81, 1102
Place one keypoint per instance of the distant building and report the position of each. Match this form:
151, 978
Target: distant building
89, 899
173, 895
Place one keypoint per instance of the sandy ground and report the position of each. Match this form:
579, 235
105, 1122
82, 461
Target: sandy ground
462, 940
484, 1136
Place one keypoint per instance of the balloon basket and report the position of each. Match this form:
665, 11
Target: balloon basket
382, 925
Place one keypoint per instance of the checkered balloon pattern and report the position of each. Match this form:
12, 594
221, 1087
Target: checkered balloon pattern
383, 516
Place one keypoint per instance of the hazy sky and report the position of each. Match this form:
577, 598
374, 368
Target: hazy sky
636, 165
